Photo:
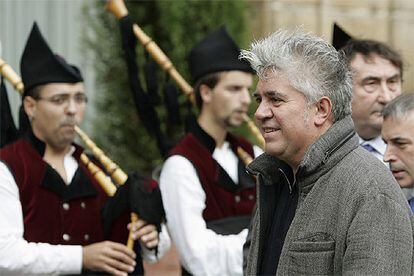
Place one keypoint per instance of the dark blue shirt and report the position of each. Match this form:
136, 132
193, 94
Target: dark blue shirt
283, 213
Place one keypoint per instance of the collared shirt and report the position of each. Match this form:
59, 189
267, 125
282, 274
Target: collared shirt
379, 146
202, 251
22, 257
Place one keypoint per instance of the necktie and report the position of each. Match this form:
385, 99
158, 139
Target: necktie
368, 147
411, 203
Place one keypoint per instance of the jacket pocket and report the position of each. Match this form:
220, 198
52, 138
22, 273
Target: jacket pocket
313, 255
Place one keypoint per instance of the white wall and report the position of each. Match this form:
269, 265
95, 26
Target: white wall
61, 24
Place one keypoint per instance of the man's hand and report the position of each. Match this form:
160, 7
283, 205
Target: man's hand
110, 257
146, 233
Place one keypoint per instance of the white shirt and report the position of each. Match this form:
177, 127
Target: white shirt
19, 257
201, 250
379, 146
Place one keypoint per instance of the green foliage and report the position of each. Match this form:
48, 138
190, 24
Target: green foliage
175, 26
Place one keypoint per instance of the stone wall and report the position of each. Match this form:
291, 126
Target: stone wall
390, 21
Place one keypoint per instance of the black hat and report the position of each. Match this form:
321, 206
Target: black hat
339, 37
216, 52
39, 65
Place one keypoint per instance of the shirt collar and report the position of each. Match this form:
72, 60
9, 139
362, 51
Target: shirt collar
193, 127
377, 143
40, 146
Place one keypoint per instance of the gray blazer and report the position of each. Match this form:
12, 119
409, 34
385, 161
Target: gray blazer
352, 217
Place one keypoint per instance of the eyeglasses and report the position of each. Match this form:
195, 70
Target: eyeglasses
64, 99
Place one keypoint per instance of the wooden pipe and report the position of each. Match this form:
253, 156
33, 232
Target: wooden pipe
9, 74
118, 8
118, 175
99, 175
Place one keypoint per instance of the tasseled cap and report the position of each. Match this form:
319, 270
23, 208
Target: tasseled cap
39, 65
215, 53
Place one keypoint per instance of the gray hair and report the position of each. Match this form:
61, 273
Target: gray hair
311, 65
400, 106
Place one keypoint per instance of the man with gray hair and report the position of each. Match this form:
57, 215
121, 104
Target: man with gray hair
398, 134
325, 205
377, 72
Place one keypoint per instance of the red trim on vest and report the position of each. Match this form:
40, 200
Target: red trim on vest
220, 203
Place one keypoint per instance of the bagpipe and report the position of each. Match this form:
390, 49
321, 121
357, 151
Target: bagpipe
149, 206
130, 32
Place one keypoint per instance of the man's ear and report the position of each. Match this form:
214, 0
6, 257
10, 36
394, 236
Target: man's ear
205, 93
323, 111
30, 105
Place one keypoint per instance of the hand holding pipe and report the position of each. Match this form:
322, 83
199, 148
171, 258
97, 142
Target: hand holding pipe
115, 172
